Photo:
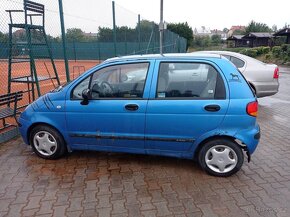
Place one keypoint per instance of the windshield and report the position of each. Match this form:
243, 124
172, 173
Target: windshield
59, 88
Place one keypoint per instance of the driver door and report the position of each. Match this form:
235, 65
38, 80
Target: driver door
114, 119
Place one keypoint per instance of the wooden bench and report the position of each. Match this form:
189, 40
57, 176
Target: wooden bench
8, 107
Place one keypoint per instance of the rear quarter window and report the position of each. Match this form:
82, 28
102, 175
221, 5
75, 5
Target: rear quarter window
237, 62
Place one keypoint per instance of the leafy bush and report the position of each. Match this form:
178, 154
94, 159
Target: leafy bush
252, 52
284, 47
259, 50
286, 59
268, 56
288, 52
243, 51
276, 50
266, 50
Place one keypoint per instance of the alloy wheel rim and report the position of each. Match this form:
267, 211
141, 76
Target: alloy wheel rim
45, 143
221, 159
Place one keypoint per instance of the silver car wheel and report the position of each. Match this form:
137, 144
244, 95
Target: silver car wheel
45, 143
221, 159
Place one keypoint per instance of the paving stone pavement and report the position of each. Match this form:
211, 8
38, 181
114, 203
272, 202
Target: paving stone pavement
110, 184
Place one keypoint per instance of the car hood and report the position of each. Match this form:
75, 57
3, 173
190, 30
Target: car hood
50, 102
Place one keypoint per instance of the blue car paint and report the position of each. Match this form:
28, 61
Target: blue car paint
169, 122
152, 120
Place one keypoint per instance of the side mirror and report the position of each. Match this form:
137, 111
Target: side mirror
86, 94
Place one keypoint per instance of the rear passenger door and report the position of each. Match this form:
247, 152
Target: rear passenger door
187, 99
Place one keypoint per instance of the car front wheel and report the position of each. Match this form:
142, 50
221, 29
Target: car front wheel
221, 157
46, 142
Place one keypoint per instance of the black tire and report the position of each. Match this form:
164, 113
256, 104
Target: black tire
221, 153
58, 148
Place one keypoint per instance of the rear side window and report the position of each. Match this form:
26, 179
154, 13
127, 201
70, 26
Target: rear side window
237, 62
189, 80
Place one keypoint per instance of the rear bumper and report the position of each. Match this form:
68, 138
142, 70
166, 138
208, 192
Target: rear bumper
266, 88
250, 137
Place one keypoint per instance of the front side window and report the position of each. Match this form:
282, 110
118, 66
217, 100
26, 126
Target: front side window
119, 81
77, 91
189, 80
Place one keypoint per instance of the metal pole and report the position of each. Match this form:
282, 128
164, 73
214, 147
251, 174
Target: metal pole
126, 45
161, 27
139, 33
75, 52
114, 28
63, 39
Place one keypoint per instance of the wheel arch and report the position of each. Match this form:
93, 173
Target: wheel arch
199, 146
49, 125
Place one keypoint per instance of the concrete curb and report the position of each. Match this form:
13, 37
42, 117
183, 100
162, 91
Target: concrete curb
10, 134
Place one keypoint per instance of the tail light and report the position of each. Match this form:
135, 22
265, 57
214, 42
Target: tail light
276, 73
252, 109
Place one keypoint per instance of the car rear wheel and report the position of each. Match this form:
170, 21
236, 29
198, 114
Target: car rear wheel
221, 157
46, 142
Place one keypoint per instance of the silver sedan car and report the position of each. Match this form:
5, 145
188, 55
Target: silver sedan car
263, 78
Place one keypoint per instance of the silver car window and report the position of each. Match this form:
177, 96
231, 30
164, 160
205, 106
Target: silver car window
237, 62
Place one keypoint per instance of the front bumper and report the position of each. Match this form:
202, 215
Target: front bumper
23, 126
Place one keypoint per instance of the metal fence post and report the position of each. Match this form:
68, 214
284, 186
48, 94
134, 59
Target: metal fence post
63, 39
99, 51
114, 28
139, 33
126, 45
161, 27
153, 40
75, 52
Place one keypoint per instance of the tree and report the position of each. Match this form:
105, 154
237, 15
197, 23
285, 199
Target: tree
75, 34
182, 29
206, 41
286, 26
202, 41
257, 27
105, 34
226, 30
239, 32
3, 37
125, 33
216, 39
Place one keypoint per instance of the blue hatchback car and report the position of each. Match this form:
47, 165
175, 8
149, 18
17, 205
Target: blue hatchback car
195, 106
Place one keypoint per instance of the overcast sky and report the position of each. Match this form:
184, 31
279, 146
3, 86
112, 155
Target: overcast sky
215, 14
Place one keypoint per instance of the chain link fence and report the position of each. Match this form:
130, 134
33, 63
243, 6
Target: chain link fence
32, 58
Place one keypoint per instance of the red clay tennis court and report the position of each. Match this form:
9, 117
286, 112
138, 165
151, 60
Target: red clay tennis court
43, 68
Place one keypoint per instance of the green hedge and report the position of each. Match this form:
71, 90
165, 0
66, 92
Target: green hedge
276, 54
266, 50
276, 51
250, 52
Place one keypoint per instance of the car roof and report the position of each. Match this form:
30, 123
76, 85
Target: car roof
229, 53
165, 56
